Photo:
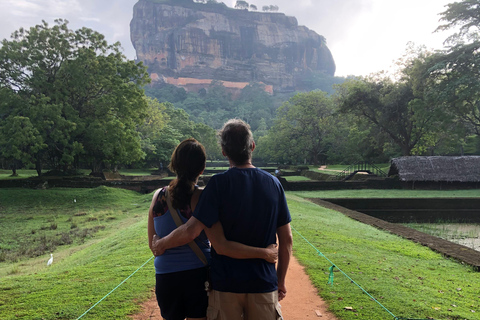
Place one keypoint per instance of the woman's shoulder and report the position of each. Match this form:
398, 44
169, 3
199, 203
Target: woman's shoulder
160, 207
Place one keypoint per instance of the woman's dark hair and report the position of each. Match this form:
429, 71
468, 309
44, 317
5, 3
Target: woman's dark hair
236, 140
187, 162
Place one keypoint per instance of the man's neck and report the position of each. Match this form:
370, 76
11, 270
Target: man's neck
246, 165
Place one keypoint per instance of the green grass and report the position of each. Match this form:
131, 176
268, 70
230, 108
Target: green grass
387, 193
334, 169
136, 172
21, 174
83, 271
296, 178
408, 279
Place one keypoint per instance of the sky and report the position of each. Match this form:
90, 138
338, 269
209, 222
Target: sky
364, 36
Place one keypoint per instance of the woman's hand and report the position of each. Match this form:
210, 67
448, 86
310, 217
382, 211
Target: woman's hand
271, 253
156, 247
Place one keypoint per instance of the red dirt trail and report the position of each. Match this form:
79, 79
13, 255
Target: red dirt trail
302, 300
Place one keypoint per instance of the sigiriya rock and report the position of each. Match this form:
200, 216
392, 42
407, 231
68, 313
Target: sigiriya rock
193, 42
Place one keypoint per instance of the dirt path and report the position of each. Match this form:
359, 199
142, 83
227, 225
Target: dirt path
325, 168
302, 301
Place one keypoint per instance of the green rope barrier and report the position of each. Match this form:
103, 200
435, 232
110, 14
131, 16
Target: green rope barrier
330, 278
116, 287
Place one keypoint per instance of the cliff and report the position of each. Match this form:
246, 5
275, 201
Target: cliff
211, 41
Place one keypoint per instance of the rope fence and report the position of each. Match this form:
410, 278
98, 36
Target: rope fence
115, 288
330, 281
330, 278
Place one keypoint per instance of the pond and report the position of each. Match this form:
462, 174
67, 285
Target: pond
460, 233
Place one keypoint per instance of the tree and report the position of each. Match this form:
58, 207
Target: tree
454, 77
81, 94
273, 8
402, 109
454, 73
254, 105
208, 137
464, 14
253, 7
19, 140
301, 129
240, 4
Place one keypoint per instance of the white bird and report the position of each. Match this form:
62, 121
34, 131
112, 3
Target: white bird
50, 261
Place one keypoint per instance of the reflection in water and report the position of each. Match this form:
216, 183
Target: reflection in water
460, 233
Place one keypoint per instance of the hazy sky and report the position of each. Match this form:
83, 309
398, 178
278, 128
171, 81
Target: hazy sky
365, 36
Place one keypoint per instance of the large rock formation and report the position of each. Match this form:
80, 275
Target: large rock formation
183, 39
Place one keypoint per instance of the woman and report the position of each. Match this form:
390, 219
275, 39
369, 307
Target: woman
180, 273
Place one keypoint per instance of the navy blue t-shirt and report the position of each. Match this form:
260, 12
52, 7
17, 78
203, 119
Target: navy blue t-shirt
251, 205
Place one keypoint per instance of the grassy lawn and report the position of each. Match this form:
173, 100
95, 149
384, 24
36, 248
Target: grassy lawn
296, 178
407, 279
21, 174
98, 239
136, 172
337, 168
388, 193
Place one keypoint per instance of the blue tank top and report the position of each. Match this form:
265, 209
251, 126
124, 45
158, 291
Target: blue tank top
179, 258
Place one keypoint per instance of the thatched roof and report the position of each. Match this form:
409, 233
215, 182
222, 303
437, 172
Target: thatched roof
436, 168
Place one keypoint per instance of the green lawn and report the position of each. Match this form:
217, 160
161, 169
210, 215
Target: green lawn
337, 168
97, 237
107, 242
388, 193
296, 178
406, 279
21, 174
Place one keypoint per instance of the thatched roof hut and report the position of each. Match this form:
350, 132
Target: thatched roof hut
436, 169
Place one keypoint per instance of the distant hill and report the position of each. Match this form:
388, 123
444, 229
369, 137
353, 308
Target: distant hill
189, 41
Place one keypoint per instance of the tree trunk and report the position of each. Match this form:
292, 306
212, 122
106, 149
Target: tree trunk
38, 167
406, 150
96, 166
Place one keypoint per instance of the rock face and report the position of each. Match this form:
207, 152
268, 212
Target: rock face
212, 41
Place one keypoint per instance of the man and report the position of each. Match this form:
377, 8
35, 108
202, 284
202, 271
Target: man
251, 207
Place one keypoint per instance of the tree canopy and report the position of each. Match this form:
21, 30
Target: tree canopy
301, 130
399, 108
454, 72
78, 92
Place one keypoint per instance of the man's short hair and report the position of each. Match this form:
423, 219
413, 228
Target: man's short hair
236, 140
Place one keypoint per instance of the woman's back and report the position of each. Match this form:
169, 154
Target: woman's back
178, 258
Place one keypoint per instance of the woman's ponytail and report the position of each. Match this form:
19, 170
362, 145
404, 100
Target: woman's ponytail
187, 162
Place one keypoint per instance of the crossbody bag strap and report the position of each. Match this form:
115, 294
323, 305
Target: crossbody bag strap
193, 245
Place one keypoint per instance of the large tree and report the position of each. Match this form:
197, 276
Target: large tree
454, 73
19, 140
464, 16
80, 93
302, 129
399, 108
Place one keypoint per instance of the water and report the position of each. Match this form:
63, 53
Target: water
460, 233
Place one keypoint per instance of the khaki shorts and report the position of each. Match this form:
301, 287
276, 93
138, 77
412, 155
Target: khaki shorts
243, 306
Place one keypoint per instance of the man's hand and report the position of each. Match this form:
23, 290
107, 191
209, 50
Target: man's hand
157, 248
271, 253
282, 291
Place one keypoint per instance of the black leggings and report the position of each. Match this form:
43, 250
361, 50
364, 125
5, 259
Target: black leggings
182, 294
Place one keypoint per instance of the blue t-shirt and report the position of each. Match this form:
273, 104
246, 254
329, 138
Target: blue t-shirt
251, 205
179, 258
